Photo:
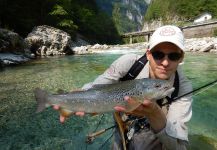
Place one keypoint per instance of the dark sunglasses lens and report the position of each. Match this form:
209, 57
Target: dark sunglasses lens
158, 55
174, 56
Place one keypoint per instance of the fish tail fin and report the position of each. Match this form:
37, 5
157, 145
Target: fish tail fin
41, 99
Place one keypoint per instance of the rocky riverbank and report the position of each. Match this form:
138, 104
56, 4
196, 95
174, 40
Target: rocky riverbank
48, 41
206, 44
42, 41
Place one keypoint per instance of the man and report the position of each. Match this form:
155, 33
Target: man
166, 127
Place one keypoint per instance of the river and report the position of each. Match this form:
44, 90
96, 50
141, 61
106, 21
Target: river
21, 128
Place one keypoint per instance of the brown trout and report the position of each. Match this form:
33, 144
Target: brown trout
103, 98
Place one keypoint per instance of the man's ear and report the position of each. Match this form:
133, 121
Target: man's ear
183, 54
148, 53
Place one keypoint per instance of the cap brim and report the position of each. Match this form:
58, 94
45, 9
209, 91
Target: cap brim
167, 40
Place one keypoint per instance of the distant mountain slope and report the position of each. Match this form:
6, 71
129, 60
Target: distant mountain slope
127, 15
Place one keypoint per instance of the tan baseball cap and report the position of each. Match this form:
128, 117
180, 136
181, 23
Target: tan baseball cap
167, 33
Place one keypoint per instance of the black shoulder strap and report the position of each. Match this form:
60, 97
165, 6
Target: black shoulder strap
176, 86
135, 69
175, 92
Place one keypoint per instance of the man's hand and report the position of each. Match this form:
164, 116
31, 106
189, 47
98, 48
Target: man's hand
149, 109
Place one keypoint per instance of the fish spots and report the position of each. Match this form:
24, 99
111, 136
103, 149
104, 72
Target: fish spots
139, 93
118, 99
128, 93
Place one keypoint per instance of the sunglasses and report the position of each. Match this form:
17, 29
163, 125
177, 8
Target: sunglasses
174, 56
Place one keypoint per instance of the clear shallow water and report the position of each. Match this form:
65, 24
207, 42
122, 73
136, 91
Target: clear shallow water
21, 128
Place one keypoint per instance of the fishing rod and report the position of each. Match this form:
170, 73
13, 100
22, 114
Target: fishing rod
92, 136
210, 84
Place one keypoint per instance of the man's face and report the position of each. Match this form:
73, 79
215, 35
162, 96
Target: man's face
164, 60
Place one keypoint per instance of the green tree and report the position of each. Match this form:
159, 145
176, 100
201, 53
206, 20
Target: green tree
22, 15
63, 17
188, 9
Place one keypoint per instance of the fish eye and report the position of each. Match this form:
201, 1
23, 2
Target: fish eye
157, 85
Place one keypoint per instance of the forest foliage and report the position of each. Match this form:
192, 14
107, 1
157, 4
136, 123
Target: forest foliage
186, 10
73, 16
84, 17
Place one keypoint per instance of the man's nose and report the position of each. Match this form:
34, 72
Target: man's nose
165, 61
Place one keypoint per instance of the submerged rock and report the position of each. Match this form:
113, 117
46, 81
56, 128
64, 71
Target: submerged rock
7, 59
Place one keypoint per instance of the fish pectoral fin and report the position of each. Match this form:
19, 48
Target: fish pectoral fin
65, 113
94, 114
137, 99
133, 104
131, 107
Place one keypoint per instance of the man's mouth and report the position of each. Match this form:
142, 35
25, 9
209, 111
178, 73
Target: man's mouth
162, 70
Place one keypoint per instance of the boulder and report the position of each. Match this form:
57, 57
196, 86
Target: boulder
47, 41
81, 50
98, 46
207, 47
11, 42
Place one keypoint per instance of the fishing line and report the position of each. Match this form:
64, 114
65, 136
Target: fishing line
198, 90
205, 89
102, 116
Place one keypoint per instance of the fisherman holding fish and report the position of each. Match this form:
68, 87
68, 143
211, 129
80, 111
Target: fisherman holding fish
150, 125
